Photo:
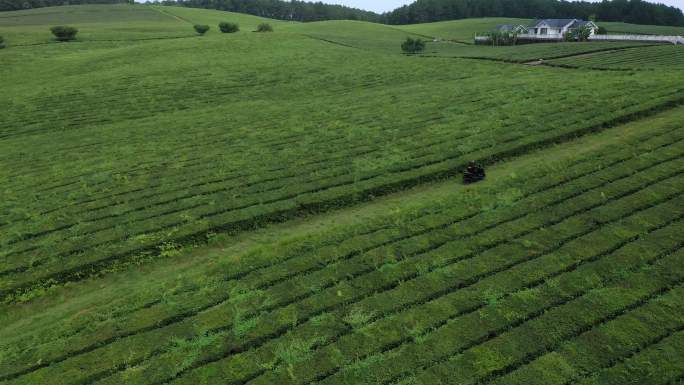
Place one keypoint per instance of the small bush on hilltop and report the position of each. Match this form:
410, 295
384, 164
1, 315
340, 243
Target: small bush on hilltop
412, 45
229, 27
201, 29
264, 27
64, 33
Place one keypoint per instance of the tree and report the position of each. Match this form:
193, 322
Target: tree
201, 28
602, 31
264, 27
2, 42
581, 33
503, 38
64, 33
412, 46
226, 27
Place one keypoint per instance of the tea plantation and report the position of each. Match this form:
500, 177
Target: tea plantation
286, 207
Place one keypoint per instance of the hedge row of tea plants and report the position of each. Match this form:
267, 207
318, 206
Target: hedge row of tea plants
155, 218
304, 292
376, 235
660, 56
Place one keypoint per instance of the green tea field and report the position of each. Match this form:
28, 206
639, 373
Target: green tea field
288, 207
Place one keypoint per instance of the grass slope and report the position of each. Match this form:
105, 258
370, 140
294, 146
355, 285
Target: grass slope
527, 52
353, 34
95, 22
640, 29
117, 22
133, 199
141, 180
382, 289
459, 30
657, 57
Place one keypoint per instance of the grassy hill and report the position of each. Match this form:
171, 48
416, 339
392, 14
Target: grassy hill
626, 28
116, 22
286, 207
459, 30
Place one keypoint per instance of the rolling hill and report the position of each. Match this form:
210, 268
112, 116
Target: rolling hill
287, 208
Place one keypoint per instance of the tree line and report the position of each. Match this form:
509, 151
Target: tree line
421, 11
282, 10
15, 5
629, 11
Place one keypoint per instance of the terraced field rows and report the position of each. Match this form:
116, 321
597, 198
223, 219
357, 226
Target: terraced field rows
102, 223
656, 57
639, 368
528, 52
334, 305
119, 166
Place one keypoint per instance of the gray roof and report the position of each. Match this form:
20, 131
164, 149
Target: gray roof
553, 23
579, 23
509, 27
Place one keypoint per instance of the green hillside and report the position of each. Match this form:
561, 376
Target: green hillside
459, 30
353, 34
656, 57
626, 28
116, 22
287, 207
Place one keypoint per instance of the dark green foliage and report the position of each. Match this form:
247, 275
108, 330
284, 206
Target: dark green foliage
201, 28
226, 27
413, 45
264, 27
579, 34
14, 5
602, 31
64, 33
2, 42
633, 11
582, 33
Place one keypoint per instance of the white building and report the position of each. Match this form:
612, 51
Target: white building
557, 28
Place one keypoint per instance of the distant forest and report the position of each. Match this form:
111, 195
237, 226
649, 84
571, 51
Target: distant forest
15, 5
421, 11
283, 10
629, 11
274, 9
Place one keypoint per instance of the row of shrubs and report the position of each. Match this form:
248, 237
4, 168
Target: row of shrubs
66, 33
226, 27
